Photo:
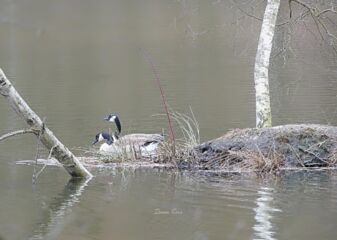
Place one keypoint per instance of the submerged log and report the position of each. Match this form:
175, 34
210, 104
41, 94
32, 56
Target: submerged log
270, 149
46, 136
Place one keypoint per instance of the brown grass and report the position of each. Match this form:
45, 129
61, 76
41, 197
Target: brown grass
188, 128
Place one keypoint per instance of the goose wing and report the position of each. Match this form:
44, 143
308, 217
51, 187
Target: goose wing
140, 139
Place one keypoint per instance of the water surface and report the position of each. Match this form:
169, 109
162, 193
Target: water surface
76, 61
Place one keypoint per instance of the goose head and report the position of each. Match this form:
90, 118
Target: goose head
103, 136
115, 119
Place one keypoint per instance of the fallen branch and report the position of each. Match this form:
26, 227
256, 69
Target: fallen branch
47, 138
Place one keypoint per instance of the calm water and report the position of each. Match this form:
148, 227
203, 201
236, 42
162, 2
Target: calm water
76, 61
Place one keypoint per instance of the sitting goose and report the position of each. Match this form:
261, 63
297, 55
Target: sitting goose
135, 138
129, 144
145, 144
103, 136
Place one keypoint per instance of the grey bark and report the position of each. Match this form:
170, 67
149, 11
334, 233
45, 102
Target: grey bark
46, 136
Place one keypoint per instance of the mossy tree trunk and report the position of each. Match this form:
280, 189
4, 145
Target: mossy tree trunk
47, 138
261, 78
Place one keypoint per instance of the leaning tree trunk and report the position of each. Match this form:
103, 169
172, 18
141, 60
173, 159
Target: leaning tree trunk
48, 139
261, 78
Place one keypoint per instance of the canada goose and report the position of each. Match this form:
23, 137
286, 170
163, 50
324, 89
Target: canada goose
147, 144
115, 119
135, 138
103, 136
129, 144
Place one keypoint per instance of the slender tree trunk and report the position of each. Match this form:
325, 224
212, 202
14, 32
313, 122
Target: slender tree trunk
47, 138
261, 78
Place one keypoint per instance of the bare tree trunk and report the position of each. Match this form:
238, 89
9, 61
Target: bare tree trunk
261, 78
47, 138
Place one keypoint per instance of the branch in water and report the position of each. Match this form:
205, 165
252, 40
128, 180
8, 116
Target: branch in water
45, 135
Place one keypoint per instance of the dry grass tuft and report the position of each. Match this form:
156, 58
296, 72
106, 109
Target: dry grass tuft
183, 147
258, 162
245, 161
122, 156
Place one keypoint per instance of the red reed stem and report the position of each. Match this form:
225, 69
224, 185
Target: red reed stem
148, 58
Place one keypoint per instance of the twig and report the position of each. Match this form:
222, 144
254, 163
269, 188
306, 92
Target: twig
44, 166
315, 155
298, 158
317, 16
148, 58
256, 17
18, 132
290, 9
325, 11
35, 174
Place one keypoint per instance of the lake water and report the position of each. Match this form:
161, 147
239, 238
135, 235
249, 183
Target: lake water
76, 61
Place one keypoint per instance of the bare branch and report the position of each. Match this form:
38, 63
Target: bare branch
326, 11
37, 174
18, 132
248, 14
316, 15
290, 10
303, 4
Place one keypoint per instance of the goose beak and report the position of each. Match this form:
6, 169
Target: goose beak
94, 142
106, 118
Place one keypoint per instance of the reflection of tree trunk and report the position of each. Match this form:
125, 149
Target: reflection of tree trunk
51, 225
263, 228
58, 150
261, 78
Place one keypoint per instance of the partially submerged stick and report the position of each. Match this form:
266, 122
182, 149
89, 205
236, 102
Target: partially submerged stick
47, 138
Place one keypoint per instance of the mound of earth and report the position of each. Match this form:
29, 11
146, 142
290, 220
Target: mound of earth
268, 149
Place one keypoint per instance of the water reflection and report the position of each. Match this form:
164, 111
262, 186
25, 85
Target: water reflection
52, 223
264, 213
